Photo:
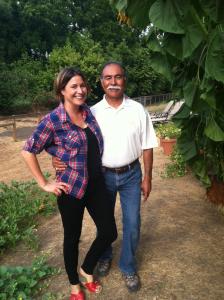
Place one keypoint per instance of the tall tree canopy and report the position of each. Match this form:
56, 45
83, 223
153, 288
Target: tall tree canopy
39, 26
53, 34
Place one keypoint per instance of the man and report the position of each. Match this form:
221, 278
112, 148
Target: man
128, 133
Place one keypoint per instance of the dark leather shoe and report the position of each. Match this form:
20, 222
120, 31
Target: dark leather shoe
132, 282
103, 268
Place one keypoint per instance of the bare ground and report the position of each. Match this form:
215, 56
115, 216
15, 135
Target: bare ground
180, 255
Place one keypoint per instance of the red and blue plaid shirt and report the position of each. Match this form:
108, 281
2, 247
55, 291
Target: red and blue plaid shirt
60, 137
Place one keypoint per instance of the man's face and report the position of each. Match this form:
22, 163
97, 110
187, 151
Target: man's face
113, 82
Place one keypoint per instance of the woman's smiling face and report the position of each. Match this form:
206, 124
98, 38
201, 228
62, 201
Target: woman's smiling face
75, 91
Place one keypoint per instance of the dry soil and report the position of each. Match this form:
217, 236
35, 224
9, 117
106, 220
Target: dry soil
181, 252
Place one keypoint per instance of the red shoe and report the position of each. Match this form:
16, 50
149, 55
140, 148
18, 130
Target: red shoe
93, 287
79, 296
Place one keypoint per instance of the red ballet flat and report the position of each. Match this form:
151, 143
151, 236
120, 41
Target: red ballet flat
79, 296
93, 287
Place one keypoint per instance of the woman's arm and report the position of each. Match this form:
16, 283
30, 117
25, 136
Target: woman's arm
33, 164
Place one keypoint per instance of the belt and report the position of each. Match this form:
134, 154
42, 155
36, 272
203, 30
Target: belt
121, 169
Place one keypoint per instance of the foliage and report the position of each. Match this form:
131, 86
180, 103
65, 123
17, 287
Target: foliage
34, 26
177, 166
40, 37
21, 83
187, 40
19, 204
37, 27
86, 55
142, 79
21, 283
167, 131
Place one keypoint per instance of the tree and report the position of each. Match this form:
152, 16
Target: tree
187, 40
36, 27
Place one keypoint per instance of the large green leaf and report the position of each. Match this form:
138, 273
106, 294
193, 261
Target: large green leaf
209, 98
173, 45
214, 65
153, 43
192, 39
183, 113
214, 9
160, 64
142, 17
166, 15
187, 149
200, 169
214, 132
120, 5
190, 90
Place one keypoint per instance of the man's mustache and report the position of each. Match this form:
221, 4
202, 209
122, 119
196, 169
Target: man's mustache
116, 87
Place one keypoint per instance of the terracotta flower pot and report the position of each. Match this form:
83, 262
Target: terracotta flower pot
167, 145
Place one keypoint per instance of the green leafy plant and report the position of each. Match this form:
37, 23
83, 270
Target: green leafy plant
23, 283
187, 40
20, 202
167, 131
176, 167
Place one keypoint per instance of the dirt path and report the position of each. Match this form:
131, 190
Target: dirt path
180, 255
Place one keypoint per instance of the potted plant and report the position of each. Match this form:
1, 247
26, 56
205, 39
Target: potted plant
168, 134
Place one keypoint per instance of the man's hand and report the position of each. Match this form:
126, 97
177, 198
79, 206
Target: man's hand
58, 164
146, 187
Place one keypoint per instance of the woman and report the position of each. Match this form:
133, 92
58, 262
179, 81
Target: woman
71, 133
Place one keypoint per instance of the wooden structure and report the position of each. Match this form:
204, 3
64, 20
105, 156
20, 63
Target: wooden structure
10, 121
154, 99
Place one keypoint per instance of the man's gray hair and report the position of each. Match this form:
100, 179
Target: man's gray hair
112, 63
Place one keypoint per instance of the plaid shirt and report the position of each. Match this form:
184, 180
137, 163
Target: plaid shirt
60, 137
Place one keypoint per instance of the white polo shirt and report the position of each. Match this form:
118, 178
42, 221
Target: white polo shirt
127, 130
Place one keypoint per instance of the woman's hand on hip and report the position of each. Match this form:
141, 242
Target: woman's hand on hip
55, 187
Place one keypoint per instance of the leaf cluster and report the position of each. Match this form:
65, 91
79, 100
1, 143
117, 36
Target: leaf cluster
20, 203
176, 167
167, 131
21, 283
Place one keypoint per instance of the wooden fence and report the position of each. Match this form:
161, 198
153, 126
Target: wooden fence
154, 99
10, 121
144, 100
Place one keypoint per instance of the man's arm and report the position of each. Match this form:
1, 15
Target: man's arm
146, 185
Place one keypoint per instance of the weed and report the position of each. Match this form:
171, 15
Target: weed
177, 166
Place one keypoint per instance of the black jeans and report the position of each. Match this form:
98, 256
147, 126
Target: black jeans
101, 211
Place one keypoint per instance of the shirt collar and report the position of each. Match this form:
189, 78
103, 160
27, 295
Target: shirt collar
62, 113
123, 104
64, 117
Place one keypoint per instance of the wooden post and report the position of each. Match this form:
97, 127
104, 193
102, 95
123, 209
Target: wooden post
14, 128
39, 117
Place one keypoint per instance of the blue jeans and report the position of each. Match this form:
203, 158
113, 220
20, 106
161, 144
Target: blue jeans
128, 185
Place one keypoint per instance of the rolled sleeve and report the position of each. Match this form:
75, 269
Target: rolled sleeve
41, 138
149, 139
